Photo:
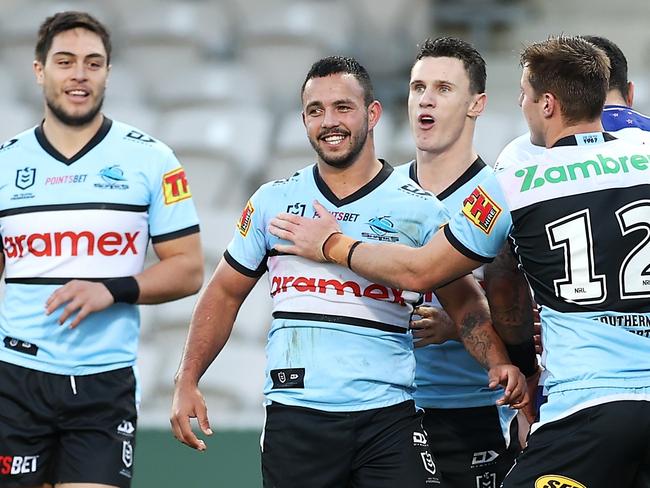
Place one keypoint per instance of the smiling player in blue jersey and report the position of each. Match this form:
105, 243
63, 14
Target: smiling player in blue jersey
578, 218
80, 198
339, 379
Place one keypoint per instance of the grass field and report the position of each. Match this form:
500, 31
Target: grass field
232, 460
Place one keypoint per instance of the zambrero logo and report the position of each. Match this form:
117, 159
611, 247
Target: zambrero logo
281, 284
175, 187
70, 244
591, 168
481, 210
246, 218
557, 481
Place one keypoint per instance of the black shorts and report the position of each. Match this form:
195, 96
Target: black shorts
604, 446
61, 429
469, 445
378, 448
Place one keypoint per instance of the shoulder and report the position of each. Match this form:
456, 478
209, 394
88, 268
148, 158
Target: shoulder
137, 139
518, 150
296, 182
18, 141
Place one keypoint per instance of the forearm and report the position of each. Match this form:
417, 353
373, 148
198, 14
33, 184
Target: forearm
210, 328
418, 269
467, 306
509, 297
511, 307
212, 320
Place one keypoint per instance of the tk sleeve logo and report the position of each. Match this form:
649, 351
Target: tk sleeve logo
244, 222
175, 186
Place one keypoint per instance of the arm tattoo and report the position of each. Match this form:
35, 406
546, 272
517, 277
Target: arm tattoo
509, 297
476, 338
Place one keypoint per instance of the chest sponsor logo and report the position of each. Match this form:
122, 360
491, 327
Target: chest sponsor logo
12, 465
557, 481
85, 243
113, 178
382, 230
302, 284
481, 210
345, 216
532, 177
25, 178
65, 179
175, 186
246, 219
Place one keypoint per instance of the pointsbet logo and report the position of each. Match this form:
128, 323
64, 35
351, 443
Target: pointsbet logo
557, 481
533, 178
11, 465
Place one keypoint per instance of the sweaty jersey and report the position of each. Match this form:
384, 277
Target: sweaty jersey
578, 216
447, 376
620, 121
338, 342
89, 217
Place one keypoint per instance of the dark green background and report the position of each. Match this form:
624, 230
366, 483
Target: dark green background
232, 460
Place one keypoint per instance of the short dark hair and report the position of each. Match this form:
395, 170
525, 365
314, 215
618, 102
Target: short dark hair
617, 61
332, 65
575, 71
452, 47
65, 21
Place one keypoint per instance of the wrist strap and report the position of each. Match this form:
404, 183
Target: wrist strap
338, 248
124, 290
523, 356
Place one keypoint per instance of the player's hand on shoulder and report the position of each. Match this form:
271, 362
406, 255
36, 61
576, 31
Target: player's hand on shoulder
513, 382
433, 327
188, 403
82, 297
307, 235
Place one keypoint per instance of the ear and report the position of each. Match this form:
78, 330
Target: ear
302, 115
550, 105
477, 106
37, 66
108, 71
629, 100
374, 114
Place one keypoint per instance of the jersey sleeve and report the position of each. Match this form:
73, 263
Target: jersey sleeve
437, 219
247, 251
171, 213
483, 223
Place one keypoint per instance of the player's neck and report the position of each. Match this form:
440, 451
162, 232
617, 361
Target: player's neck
437, 171
561, 130
66, 139
345, 181
614, 97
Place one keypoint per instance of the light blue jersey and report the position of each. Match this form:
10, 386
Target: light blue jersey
338, 342
447, 376
578, 216
88, 217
